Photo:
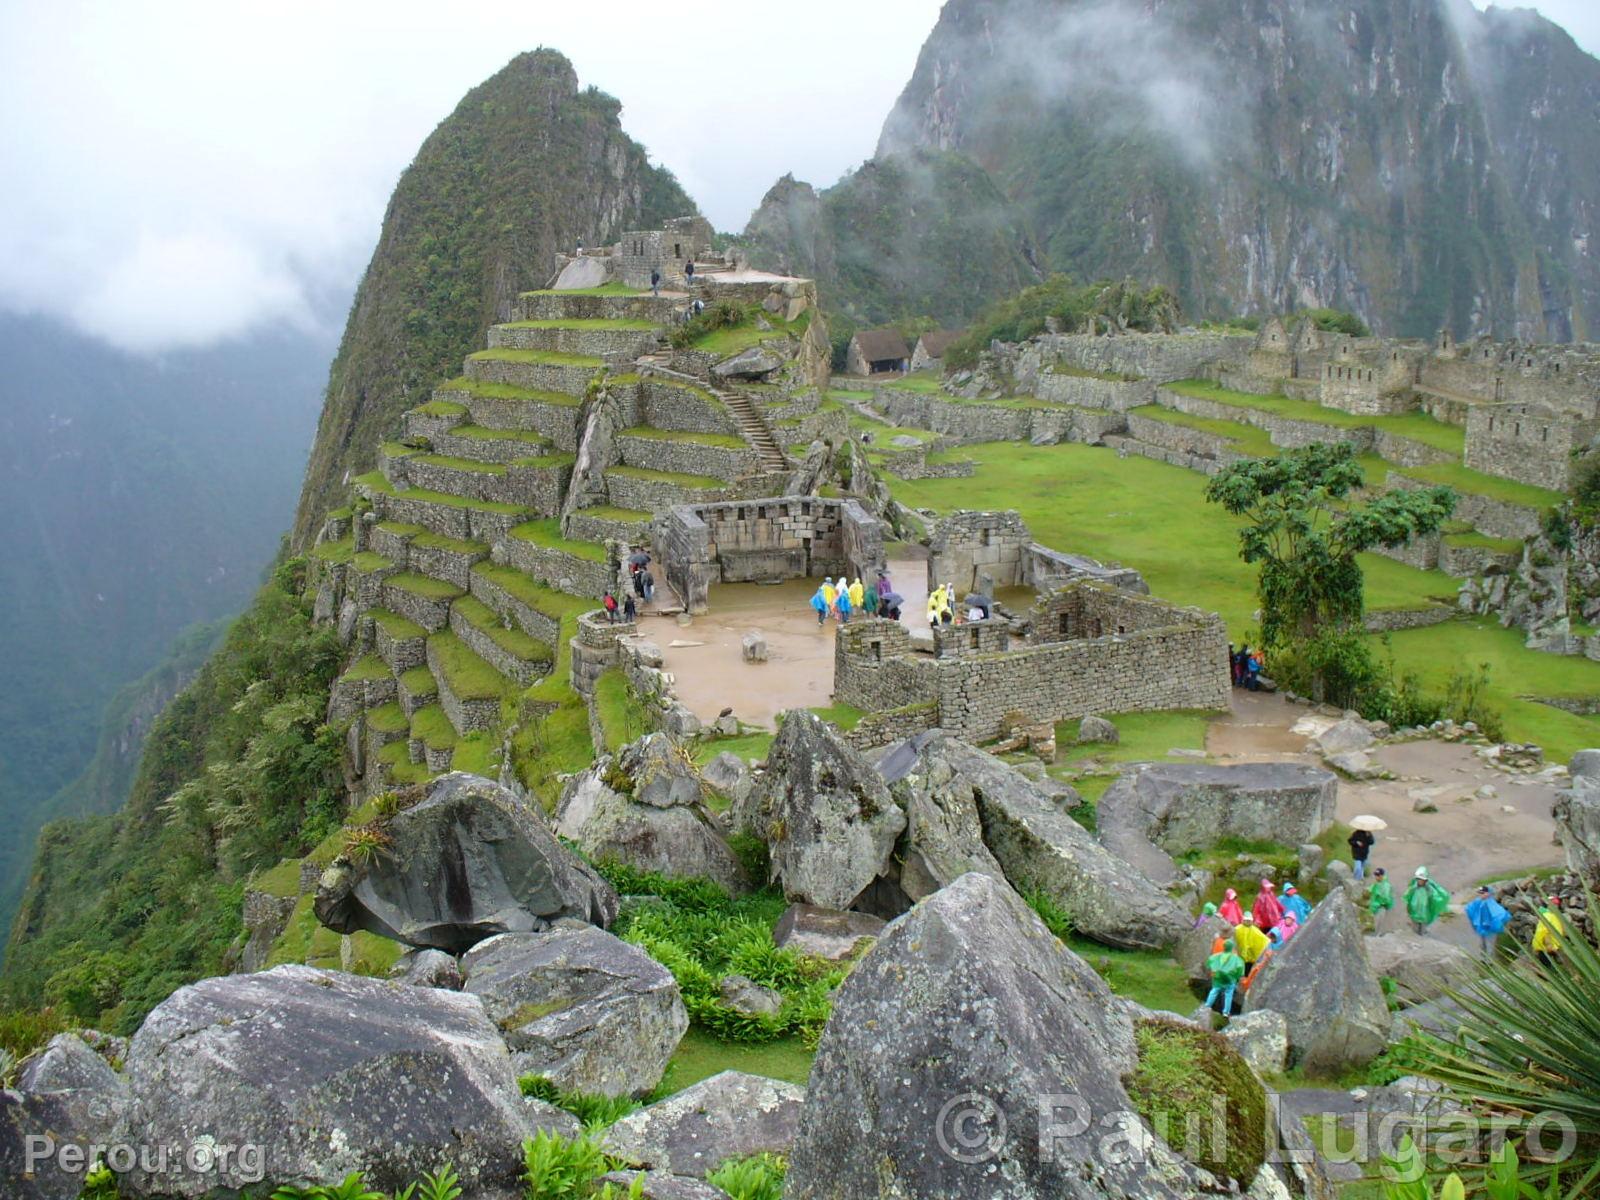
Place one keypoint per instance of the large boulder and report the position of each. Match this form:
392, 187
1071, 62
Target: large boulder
827, 817
67, 1101
729, 774
1029, 840
1324, 985
1422, 967
825, 933
1577, 817
944, 832
755, 363
467, 861
593, 1013
1350, 734
326, 1073
646, 807
961, 1053
1167, 808
427, 968
1262, 1039
731, 1115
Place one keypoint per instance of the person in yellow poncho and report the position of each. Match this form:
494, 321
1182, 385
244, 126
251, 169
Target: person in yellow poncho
1250, 941
935, 605
1552, 928
857, 595
830, 594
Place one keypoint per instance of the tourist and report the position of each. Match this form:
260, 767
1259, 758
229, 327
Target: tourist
688, 273
830, 594
647, 585
884, 586
1268, 911
610, 605
655, 282
1233, 665
869, 601
1226, 968
1285, 929
1230, 911
1360, 846
630, 610
1489, 917
858, 595
1294, 902
947, 610
1380, 898
844, 604
935, 606
1426, 901
1252, 671
1207, 911
820, 604
1252, 943
1552, 928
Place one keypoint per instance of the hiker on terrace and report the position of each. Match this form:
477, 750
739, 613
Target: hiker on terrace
821, 602
1552, 928
1426, 901
1294, 902
630, 610
1284, 930
1381, 897
688, 273
858, 595
935, 606
655, 282
1252, 943
1360, 846
1226, 968
1268, 911
610, 605
844, 604
1488, 917
1230, 910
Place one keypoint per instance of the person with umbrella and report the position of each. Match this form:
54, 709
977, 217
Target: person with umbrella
1426, 901
1361, 842
1380, 898
1268, 911
978, 606
1226, 968
890, 603
1489, 917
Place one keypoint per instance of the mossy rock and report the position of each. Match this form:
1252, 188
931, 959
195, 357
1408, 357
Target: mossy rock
1184, 1076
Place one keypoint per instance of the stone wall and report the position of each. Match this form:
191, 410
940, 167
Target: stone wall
1047, 570
1152, 357
1529, 443
1495, 518
556, 421
789, 537
975, 421
678, 406
687, 458
979, 551
1355, 388
570, 573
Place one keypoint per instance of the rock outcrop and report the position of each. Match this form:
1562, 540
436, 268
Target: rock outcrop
825, 814
646, 807
427, 968
328, 1073
466, 862
1324, 985
1422, 968
591, 1012
67, 1100
825, 933
1577, 817
1148, 816
1261, 1038
731, 1115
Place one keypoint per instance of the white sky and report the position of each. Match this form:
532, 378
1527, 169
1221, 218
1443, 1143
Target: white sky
178, 171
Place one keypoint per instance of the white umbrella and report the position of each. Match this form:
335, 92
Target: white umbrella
1368, 822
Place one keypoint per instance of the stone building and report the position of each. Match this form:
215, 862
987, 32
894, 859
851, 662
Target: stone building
929, 352
877, 352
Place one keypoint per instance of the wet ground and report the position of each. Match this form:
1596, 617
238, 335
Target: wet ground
1469, 839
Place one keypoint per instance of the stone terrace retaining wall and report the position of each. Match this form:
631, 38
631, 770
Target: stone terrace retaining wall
687, 458
668, 405
1157, 357
1085, 391
554, 568
1495, 518
558, 422
598, 343
530, 620
974, 421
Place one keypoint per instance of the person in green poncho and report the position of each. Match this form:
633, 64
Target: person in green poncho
1226, 968
1380, 899
1425, 901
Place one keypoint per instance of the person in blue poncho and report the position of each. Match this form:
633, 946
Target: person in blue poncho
820, 603
1294, 902
1489, 918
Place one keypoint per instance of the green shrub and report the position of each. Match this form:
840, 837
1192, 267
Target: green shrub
1057, 920
1074, 305
1333, 320
724, 314
555, 1167
759, 1177
595, 1112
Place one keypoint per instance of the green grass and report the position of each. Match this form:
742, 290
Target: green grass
370, 561
282, 880
397, 450
432, 728
701, 1055
919, 381
377, 483
365, 669
1417, 426
1150, 977
341, 551
465, 674
398, 627
388, 718
676, 478
1144, 737
547, 533
725, 440
424, 585
1154, 517
512, 641
541, 358
1246, 439
747, 746
477, 754
582, 323
547, 462
609, 512
470, 465
1482, 541
396, 756
622, 716
441, 408
535, 595
482, 433
507, 391
1465, 479
605, 289
845, 716
731, 340
419, 681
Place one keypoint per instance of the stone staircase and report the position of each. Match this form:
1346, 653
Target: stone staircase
752, 425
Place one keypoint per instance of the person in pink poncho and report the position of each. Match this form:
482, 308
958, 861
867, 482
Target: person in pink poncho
1284, 929
1230, 910
1268, 910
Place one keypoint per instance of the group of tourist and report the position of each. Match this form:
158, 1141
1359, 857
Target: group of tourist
842, 598
1258, 931
641, 588
1244, 666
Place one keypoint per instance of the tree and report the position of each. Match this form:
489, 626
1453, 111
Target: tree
1304, 531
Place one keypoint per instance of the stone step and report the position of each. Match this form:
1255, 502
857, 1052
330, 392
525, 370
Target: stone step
604, 306
433, 738
470, 689
510, 651
439, 512
656, 491
515, 597
418, 687
500, 406
420, 598
535, 370
619, 338
399, 641
754, 428
479, 443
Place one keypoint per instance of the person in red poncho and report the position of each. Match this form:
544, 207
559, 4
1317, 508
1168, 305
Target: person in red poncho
1230, 911
1267, 908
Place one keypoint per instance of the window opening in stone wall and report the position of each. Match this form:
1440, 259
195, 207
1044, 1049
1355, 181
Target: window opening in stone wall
677, 250
974, 635
1065, 620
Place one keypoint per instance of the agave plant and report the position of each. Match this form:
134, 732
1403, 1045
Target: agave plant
1528, 1044
366, 843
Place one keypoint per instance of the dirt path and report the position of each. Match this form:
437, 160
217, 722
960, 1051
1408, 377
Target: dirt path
1468, 840
709, 666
